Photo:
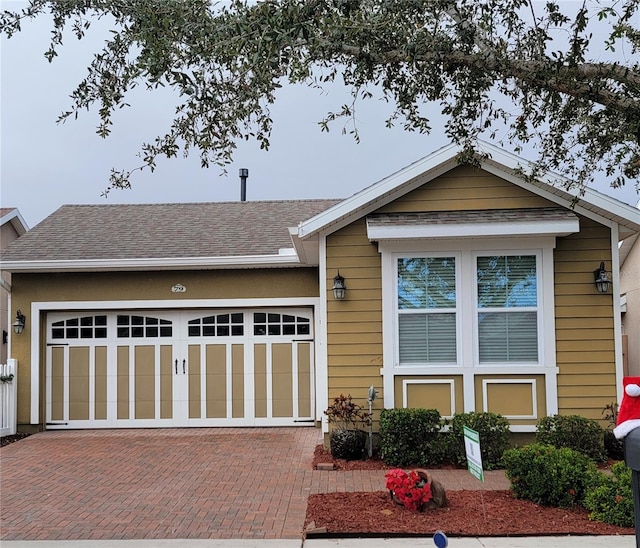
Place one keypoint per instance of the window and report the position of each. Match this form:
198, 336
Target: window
468, 308
221, 325
270, 323
142, 326
507, 309
86, 327
426, 303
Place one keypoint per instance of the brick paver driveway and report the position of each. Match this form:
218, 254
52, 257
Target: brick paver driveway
166, 483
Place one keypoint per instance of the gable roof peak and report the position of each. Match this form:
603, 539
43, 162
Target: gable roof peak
493, 159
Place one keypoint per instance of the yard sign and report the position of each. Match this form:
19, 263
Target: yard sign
472, 449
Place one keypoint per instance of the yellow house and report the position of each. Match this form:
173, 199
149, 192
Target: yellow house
467, 289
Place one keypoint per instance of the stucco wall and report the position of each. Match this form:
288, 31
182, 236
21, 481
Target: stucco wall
7, 235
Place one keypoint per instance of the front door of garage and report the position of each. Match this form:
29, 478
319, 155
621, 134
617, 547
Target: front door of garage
180, 368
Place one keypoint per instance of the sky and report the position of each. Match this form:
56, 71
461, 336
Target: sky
45, 165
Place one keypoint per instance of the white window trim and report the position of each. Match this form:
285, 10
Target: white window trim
407, 382
534, 396
540, 309
466, 248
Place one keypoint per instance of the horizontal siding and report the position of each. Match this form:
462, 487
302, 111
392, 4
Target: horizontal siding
582, 323
585, 348
370, 337
578, 335
603, 344
585, 351
588, 391
354, 325
465, 188
341, 361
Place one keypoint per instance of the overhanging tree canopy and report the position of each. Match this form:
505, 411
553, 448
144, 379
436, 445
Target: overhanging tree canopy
492, 66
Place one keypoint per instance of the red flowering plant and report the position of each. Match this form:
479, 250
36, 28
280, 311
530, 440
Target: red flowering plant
410, 489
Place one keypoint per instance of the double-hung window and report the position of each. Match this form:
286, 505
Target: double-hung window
426, 304
468, 308
507, 315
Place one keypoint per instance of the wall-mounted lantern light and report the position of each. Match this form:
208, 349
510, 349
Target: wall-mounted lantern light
18, 325
339, 289
602, 279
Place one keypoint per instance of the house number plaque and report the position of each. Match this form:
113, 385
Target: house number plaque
178, 288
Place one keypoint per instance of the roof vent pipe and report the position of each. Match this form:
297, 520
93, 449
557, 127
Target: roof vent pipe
244, 173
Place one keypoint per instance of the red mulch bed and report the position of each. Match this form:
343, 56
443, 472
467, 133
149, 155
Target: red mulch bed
469, 513
6, 440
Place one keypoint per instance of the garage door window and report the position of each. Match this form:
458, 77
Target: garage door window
86, 327
220, 325
280, 324
143, 326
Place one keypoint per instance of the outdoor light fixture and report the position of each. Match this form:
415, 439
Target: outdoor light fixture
602, 279
339, 288
18, 325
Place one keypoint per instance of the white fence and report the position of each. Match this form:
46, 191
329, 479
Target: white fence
8, 398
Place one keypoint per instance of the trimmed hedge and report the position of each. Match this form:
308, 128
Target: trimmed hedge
548, 475
410, 437
611, 498
575, 432
494, 438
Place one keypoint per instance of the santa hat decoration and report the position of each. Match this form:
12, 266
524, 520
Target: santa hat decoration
629, 412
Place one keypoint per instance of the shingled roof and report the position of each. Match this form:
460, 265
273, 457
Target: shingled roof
163, 231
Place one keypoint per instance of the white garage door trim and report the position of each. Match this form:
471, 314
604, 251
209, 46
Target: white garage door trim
38, 308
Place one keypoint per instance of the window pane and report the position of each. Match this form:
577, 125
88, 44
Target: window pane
508, 281
508, 337
428, 282
427, 338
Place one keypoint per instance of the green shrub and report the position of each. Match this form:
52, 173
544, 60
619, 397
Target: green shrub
549, 475
575, 432
611, 500
411, 437
494, 438
613, 447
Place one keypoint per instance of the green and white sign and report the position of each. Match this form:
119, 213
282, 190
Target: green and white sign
472, 449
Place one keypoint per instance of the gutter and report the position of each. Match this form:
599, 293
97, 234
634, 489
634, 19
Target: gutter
285, 257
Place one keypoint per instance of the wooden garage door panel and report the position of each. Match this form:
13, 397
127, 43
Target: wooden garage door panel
124, 368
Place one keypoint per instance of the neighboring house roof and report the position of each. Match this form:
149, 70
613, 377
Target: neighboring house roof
12, 215
163, 236
500, 163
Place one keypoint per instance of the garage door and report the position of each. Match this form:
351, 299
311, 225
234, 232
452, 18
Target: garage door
180, 368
